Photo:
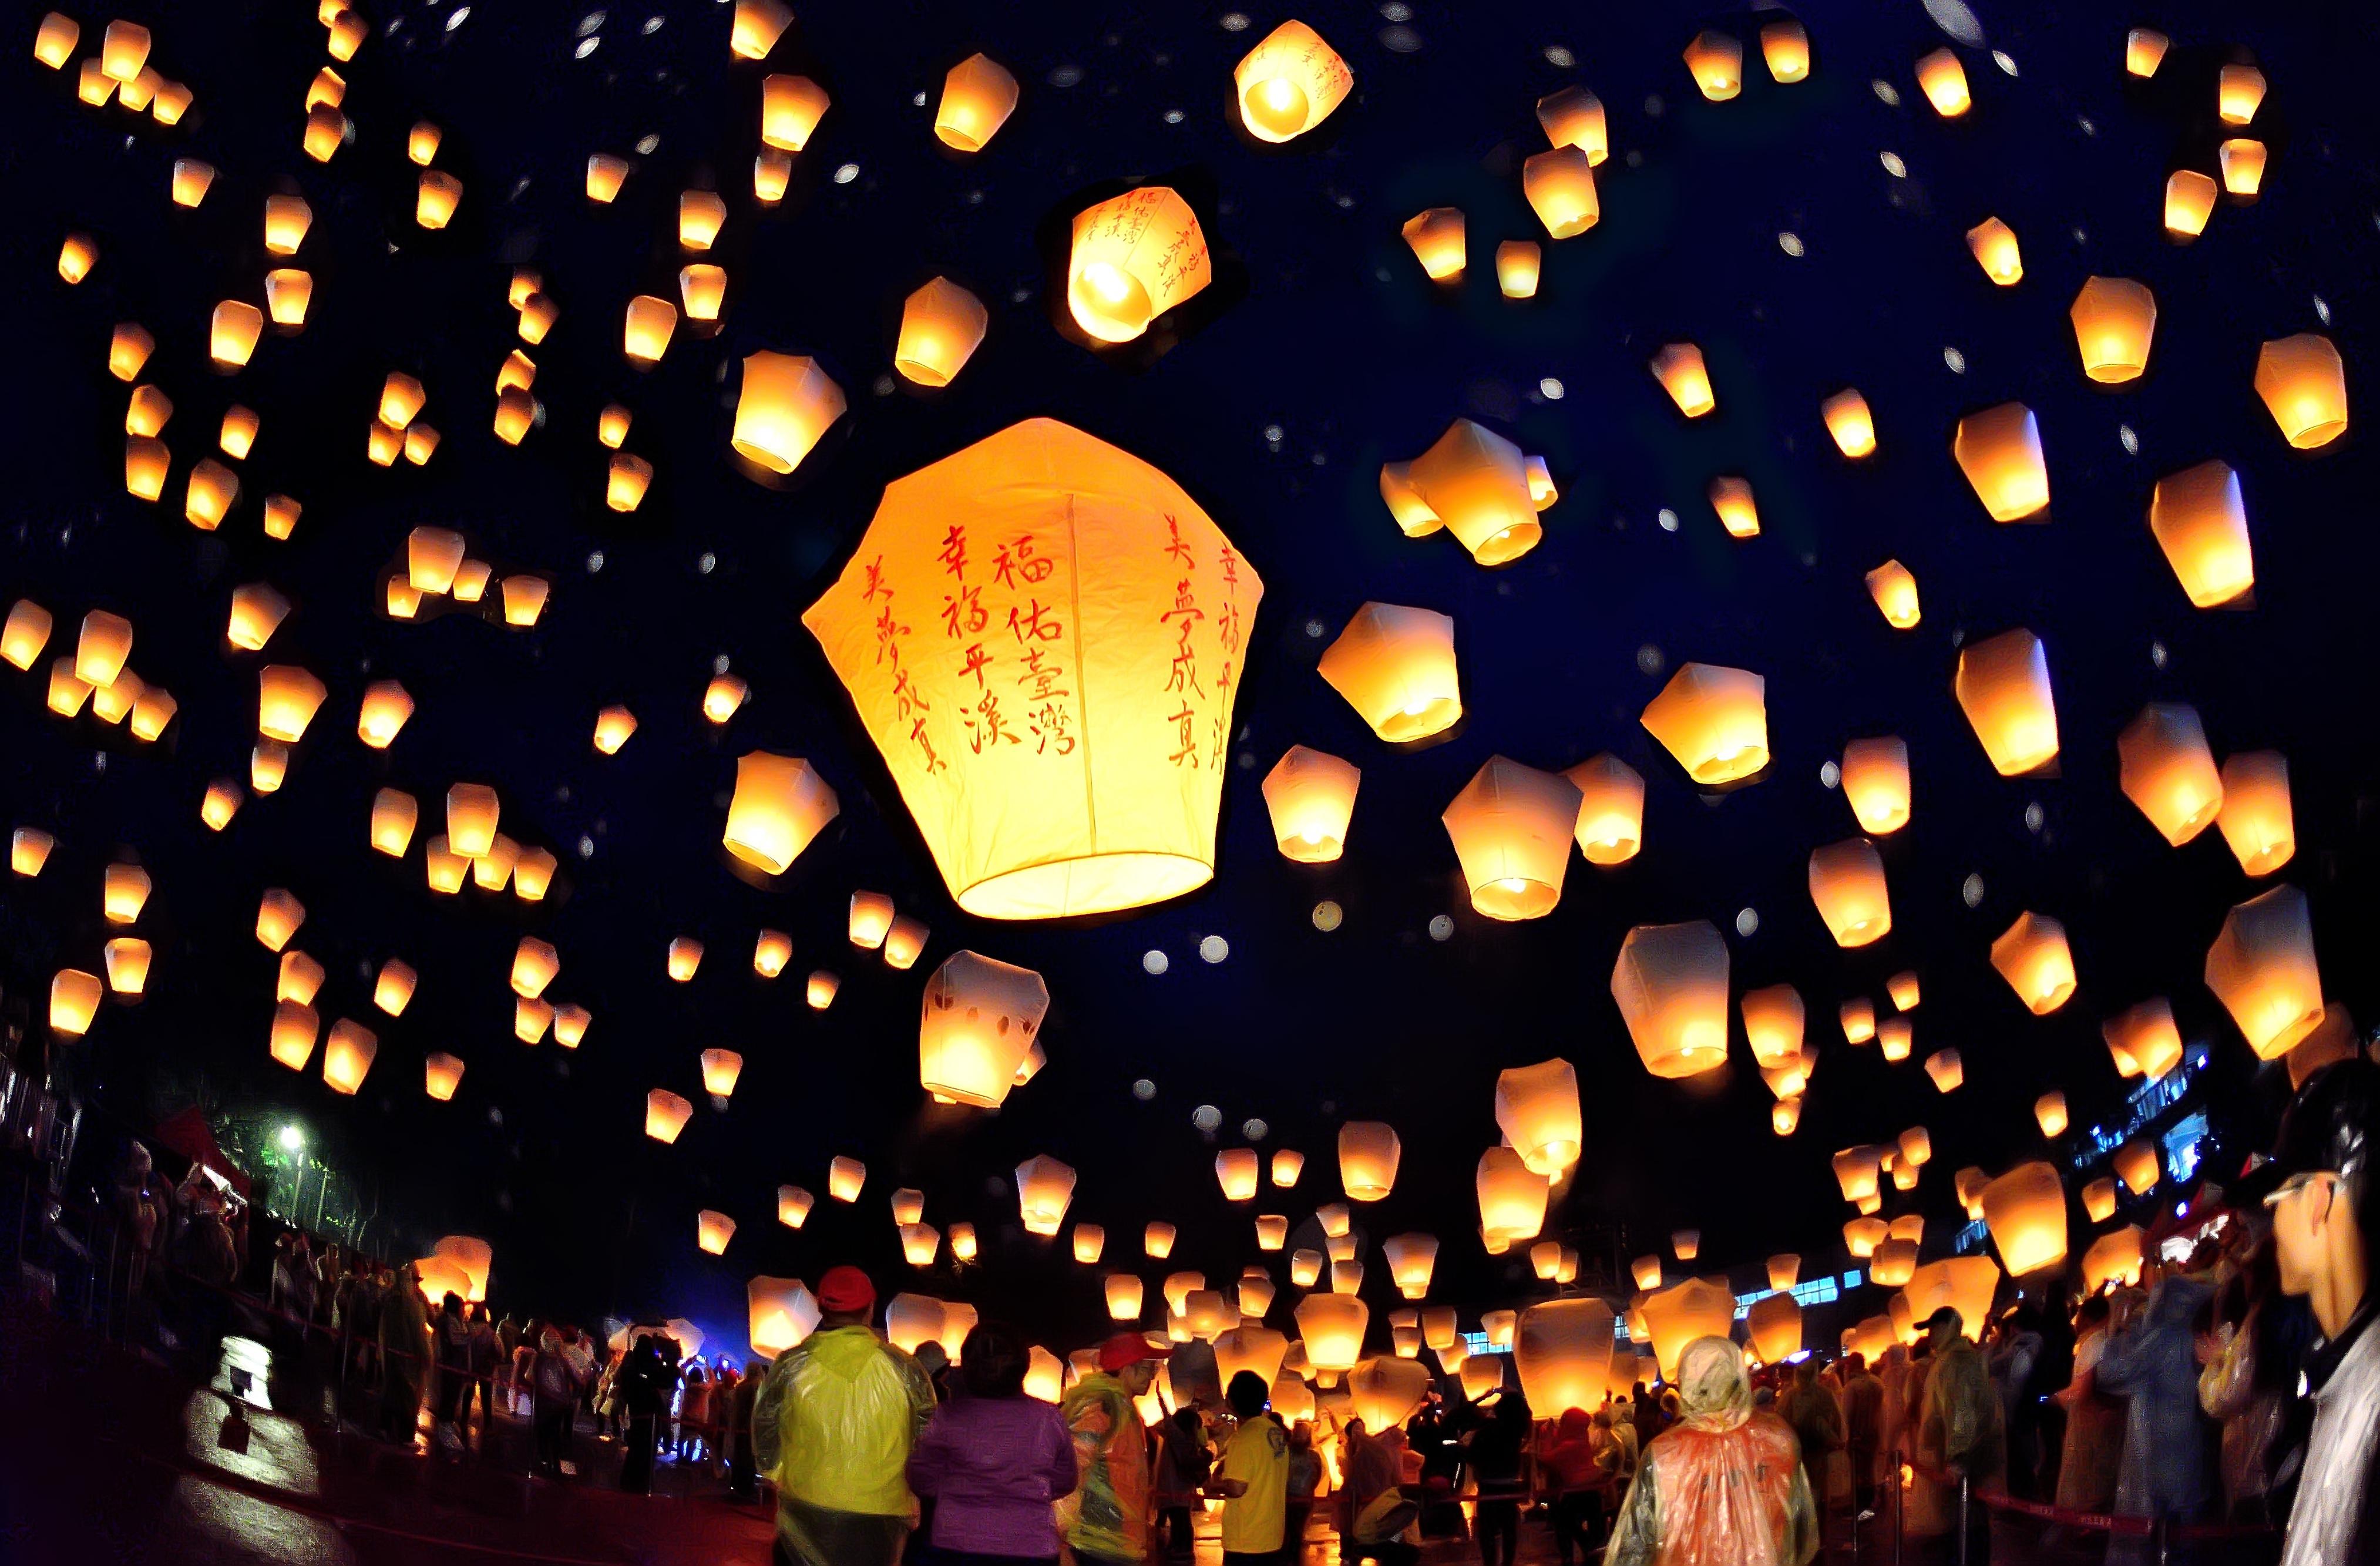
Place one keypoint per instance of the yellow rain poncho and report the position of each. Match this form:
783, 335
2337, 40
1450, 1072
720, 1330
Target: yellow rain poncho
833, 1426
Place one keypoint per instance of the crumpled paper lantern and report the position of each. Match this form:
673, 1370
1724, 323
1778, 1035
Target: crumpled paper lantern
1044, 636
1473, 482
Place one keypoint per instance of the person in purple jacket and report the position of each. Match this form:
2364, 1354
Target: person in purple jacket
992, 1460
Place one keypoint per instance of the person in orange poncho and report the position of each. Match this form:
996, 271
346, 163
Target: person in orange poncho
1722, 1487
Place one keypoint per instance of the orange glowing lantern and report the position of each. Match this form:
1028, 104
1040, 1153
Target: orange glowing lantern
1512, 827
1670, 983
2303, 382
941, 325
1436, 236
348, 1055
2168, 770
1044, 1186
1999, 450
1289, 83
1944, 82
2114, 320
1848, 886
2262, 968
2202, 524
2257, 819
1715, 62
1713, 720
977, 1025
1368, 1152
1396, 667
1134, 257
780, 806
2003, 687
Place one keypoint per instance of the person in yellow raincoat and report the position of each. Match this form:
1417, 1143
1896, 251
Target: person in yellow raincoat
833, 1427
1722, 1487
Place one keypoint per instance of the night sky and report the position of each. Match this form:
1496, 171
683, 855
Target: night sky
1806, 236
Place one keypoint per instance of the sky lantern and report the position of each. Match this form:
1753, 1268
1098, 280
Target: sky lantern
1310, 796
819, 990
1856, 1172
978, 97
1179, 1287
472, 811
1685, 1243
1512, 827
1670, 983
665, 1114
1944, 82
2188, 200
192, 177
720, 1070
124, 892
2242, 159
1252, 1348
1518, 263
432, 557
1679, 366
702, 289
1289, 83
684, 957
912, 1321
2202, 524
1574, 118
2031, 955
1699, 1307
941, 325
288, 291
2239, 90
1559, 184
257, 612
220, 803
2115, 1257
1893, 1263
1785, 45
232, 332
100, 651
1134, 257
393, 815
1773, 1023
1412, 1259
1775, 1328
77, 256
347, 1056
1965, 1283
782, 1313
146, 463
2303, 382
1999, 450
1156, 1240
919, 1244
1332, 1327
26, 633
2003, 687
871, 919
2262, 968
74, 1002
1476, 484
1850, 423
1536, 1108
2168, 770
1511, 1197
442, 1073
2099, 1202
383, 714
712, 1229
1949, 1075
129, 347
214, 490
1731, 498
1436, 236
700, 215
845, 1177
278, 915
2145, 1040
612, 727
1847, 884
2335, 1037
1287, 1163
2144, 50
436, 195
1044, 1186
794, 1206
780, 806
1876, 782
393, 990
646, 335
977, 1025
791, 107
2026, 1211
1715, 60
2257, 819
2049, 1112
1995, 248
29, 850
908, 1206
772, 950
294, 1025
153, 707
1611, 810
605, 174
2136, 1166
1562, 1350
1122, 1292
55, 39
1368, 1153
1057, 534
535, 962
1713, 720
1396, 667
1783, 1269
2114, 319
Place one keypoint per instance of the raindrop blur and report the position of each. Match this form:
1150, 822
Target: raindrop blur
1747, 922
1214, 949
1887, 91
1441, 927
1892, 164
1144, 1090
1326, 917
1254, 1130
1956, 360
1559, 57
1830, 775
1650, 658
1789, 242
2033, 817
2156, 654
1551, 389
1153, 961
2131, 441
2001, 57
1667, 519
1972, 892
846, 173
1235, 21
1206, 1117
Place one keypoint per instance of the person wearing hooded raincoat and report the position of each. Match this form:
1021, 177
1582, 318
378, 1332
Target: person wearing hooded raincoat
1724, 1485
2152, 1363
404, 1352
833, 1424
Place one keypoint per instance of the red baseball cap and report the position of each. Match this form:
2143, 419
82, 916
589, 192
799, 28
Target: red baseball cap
845, 1289
1128, 1349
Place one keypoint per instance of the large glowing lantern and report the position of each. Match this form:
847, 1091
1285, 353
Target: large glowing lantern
1965, 1283
978, 97
1562, 1349
782, 1313
1332, 1327
1511, 1197
1680, 369
1133, 258
1774, 1325
1713, 720
1310, 796
1699, 1307
1368, 1153
1476, 484
1876, 782
1773, 1021
1574, 117
2003, 688
2257, 819
2262, 968
1559, 184
1536, 1108
2031, 955
1612, 810
1670, 983
1235, 1171
785, 406
1999, 450
2143, 1040
2049, 1112
2202, 524
2026, 1211
1384, 1392
2166, 770
1847, 885
1289, 83
1044, 1186
1087, 775
2114, 321
976, 1027
1783, 1271
1512, 827
1252, 1348
1396, 667
780, 806
2303, 382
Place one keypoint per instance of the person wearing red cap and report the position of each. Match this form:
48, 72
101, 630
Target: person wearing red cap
1105, 1522
833, 1426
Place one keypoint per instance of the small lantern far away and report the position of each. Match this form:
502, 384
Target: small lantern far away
2303, 383
2003, 687
978, 97
2262, 968
1134, 257
1396, 667
1289, 83
1310, 796
1670, 982
1612, 810
1046, 807
2114, 320
2258, 821
1999, 450
1847, 884
976, 1027
1679, 366
1874, 775
1512, 827
780, 806
1476, 484
2168, 772
2031, 955
1713, 720
941, 325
